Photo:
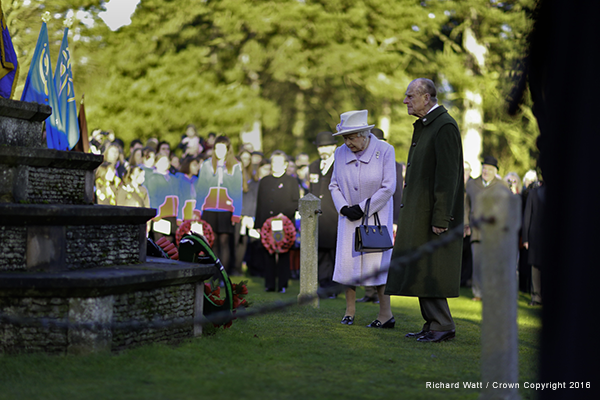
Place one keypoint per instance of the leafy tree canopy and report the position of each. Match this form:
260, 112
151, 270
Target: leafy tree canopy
292, 65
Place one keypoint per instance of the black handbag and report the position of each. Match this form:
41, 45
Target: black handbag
371, 238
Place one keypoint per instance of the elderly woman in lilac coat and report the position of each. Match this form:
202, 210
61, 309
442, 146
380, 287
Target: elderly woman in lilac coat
364, 168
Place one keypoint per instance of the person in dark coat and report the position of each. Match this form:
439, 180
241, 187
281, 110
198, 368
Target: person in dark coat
487, 180
277, 193
432, 204
532, 239
467, 258
319, 177
371, 291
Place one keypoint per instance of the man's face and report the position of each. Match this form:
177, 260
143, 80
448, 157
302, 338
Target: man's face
326, 151
467, 169
488, 172
278, 165
417, 104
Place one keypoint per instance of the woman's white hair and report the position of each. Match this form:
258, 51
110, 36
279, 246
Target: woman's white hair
364, 133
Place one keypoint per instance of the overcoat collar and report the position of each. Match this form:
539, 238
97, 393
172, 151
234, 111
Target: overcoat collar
429, 118
373, 149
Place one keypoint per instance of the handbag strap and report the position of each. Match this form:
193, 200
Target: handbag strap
377, 221
365, 219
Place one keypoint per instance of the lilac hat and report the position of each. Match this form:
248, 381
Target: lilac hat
353, 121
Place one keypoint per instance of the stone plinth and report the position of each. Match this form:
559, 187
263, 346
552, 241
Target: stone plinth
45, 176
65, 259
21, 123
60, 237
157, 290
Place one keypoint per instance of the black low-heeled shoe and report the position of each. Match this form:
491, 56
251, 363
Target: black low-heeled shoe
390, 324
347, 320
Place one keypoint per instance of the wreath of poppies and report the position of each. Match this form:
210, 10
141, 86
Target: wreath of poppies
186, 226
287, 241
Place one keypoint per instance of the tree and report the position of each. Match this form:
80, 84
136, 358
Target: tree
24, 19
289, 68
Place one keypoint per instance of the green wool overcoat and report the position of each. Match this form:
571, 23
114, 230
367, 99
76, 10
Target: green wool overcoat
433, 196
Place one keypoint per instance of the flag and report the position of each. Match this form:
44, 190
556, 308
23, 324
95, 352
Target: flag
63, 80
9, 71
39, 88
83, 145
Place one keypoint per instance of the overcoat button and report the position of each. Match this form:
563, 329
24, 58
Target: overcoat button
414, 144
401, 205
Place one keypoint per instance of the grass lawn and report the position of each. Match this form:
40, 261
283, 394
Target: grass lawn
300, 353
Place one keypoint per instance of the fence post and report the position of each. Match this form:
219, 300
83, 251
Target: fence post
499, 338
310, 209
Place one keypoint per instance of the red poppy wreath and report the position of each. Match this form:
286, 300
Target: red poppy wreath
186, 227
284, 242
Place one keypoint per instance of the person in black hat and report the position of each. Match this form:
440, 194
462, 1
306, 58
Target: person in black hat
488, 179
319, 176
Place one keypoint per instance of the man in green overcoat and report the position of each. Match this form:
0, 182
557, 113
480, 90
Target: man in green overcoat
432, 204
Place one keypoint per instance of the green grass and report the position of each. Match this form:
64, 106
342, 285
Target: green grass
300, 353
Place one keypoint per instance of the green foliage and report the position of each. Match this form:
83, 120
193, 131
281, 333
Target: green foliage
292, 65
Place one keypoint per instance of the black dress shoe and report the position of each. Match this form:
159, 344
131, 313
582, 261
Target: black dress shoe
415, 334
347, 320
387, 325
368, 299
437, 336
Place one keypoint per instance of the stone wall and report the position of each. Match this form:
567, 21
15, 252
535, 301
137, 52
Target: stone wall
14, 245
85, 246
102, 245
164, 304
158, 304
34, 339
55, 186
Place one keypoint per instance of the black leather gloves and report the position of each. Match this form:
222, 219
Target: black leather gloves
353, 213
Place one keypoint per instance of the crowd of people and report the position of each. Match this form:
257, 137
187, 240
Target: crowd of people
205, 180
240, 195
531, 191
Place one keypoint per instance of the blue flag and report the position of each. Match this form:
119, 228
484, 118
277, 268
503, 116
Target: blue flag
63, 79
9, 70
39, 88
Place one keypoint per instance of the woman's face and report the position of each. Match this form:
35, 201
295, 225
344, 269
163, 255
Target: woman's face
245, 158
220, 151
137, 158
112, 155
139, 176
264, 170
194, 167
356, 143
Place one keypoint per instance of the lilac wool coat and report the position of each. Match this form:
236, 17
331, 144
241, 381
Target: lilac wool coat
354, 181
